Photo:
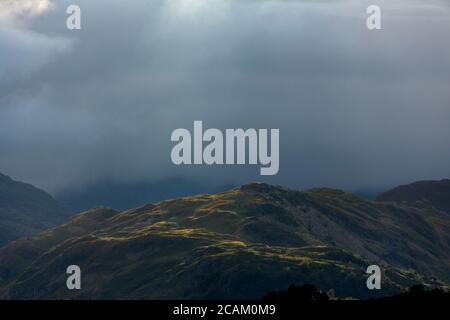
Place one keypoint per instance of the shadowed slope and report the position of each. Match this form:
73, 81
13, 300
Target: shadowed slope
26, 210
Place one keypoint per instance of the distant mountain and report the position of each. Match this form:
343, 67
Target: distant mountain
125, 195
241, 243
26, 210
423, 193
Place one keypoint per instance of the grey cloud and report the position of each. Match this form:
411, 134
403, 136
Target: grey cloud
356, 109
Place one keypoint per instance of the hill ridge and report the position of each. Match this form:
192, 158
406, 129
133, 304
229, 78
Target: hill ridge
247, 240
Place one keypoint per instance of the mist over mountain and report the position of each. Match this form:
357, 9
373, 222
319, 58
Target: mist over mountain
26, 210
101, 104
125, 195
236, 244
88, 115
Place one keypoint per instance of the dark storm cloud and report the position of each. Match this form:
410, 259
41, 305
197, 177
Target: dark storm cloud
356, 109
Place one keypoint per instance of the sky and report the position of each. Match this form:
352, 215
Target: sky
356, 109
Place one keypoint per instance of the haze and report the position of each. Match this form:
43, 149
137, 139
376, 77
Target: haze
356, 109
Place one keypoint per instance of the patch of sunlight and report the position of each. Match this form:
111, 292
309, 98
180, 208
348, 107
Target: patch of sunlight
233, 243
109, 238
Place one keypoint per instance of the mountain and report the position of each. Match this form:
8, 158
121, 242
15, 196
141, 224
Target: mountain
26, 210
423, 194
236, 244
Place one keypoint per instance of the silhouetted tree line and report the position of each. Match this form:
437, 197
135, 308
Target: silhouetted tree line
419, 293
307, 293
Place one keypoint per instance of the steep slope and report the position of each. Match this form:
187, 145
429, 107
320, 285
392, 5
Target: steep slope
237, 244
26, 210
423, 193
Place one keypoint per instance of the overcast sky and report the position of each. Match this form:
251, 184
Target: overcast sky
356, 109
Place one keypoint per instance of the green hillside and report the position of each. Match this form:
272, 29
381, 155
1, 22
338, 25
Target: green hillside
237, 244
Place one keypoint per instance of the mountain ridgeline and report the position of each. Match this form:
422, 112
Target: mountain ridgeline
236, 244
26, 210
422, 194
